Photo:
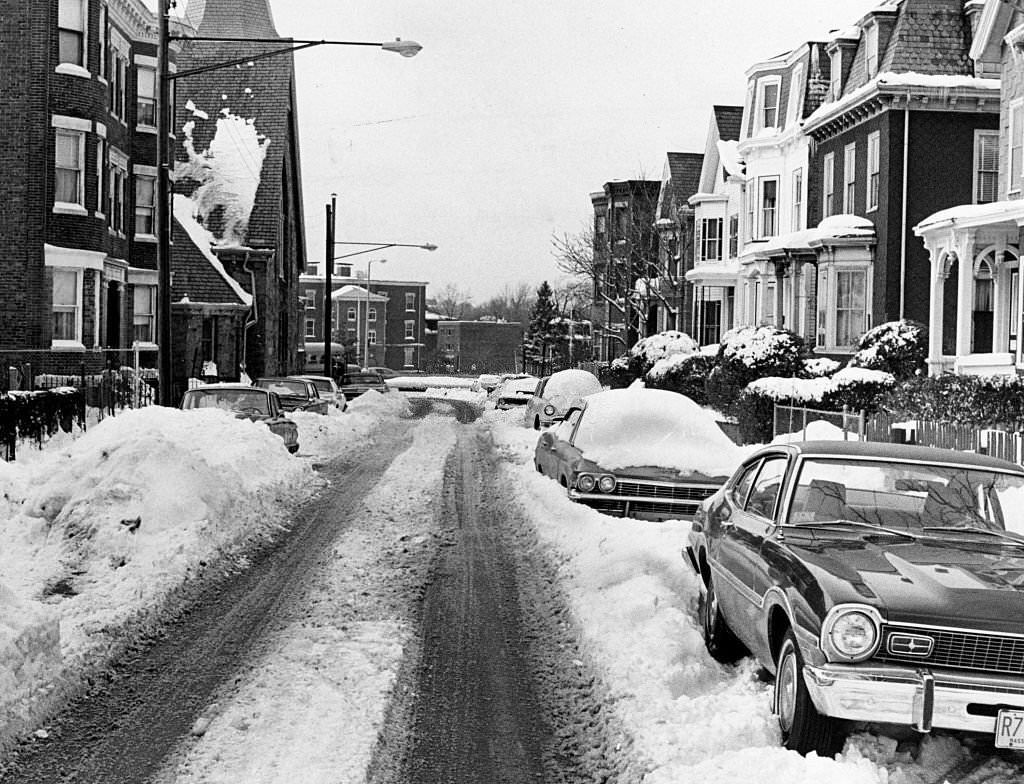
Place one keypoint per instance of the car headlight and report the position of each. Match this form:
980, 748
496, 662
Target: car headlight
606, 483
850, 633
549, 410
586, 483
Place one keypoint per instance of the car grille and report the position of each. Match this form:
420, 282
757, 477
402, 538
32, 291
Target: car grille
960, 650
658, 490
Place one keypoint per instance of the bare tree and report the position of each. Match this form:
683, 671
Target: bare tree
451, 302
512, 303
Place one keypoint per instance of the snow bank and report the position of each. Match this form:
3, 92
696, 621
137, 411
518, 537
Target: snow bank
813, 390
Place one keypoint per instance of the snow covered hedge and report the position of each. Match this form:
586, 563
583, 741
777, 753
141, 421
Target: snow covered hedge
686, 374
38, 415
750, 353
896, 347
972, 400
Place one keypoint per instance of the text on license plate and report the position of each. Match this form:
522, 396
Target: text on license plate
1010, 729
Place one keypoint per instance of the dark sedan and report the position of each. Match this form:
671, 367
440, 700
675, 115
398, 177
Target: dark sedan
636, 453
297, 394
879, 583
245, 402
355, 384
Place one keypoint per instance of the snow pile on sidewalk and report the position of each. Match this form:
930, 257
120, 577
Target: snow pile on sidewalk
634, 601
320, 436
99, 537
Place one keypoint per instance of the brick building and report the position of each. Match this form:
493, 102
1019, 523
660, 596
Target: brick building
78, 277
478, 346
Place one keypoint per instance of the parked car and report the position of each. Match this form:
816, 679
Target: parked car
327, 389
877, 582
385, 372
554, 395
355, 384
644, 453
246, 402
514, 391
297, 394
488, 382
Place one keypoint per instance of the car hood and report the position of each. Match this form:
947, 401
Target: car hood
928, 581
651, 473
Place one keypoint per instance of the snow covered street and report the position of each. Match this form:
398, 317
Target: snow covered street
313, 697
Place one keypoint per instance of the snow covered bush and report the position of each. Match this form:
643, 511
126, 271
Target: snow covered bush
749, 353
897, 347
619, 374
817, 367
854, 388
755, 418
663, 345
973, 400
686, 374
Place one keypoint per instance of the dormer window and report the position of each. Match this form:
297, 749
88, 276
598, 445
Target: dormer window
796, 91
871, 46
768, 102
836, 77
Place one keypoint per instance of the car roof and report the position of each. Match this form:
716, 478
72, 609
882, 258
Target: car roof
225, 385
901, 452
280, 378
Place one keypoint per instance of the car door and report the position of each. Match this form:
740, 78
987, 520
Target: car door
565, 454
740, 542
550, 447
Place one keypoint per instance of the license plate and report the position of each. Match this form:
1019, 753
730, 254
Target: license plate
1010, 729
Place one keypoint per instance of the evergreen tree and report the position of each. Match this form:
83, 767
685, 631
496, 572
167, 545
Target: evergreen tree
546, 335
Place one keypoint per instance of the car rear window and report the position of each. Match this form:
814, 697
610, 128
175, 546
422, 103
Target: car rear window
363, 378
288, 388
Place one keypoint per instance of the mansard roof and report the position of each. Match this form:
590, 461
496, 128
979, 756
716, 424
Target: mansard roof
232, 18
729, 120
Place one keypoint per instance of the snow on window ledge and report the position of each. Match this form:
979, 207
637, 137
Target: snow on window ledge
140, 128
145, 238
145, 345
72, 70
67, 208
67, 345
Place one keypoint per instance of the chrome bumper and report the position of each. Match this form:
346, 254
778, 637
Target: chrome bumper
666, 508
920, 698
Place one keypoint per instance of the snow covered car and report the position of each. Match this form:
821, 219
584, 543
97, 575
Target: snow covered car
555, 393
328, 390
297, 394
514, 391
644, 453
878, 582
355, 384
246, 402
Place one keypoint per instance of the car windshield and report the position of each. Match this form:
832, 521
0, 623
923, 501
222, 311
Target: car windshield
248, 400
322, 385
913, 497
284, 387
363, 378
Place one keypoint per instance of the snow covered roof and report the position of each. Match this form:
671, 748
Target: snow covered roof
730, 158
202, 239
897, 83
356, 292
835, 227
970, 215
713, 273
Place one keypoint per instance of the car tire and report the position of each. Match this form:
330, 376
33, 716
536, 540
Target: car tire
719, 639
803, 728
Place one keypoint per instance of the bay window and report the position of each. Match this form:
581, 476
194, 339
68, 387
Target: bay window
769, 206
711, 239
69, 186
71, 27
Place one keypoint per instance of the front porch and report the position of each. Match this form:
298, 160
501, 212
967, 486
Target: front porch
975, 313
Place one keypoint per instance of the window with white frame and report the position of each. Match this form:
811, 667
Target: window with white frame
410, 356
768, 102
748, 110
145, 208
1015, 142
67, 305
750, 197
734, 236
71, 27
410, 300
849, 177
146, 95
117, 87
874, 165
851, 302
310, 299
351, 316
371, 337
768, 317
871, 45
144, 314
410, 330
796, 94
69, 185
828, 186
310, 328
769, 187
835, 87
101, 171
104, 23
796, 221
711, 239
986, 166
372, 315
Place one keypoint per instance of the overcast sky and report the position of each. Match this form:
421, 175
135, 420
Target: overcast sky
493, 137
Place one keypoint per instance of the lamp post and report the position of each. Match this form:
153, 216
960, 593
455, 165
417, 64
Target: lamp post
366, 325
163, 194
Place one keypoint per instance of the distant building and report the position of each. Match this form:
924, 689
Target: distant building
478, 346
398, 328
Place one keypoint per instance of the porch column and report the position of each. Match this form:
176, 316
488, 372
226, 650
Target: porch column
1001, 299
781, 292
964, 294
935, 303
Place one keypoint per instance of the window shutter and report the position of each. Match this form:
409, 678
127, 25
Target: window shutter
698, 231
987, 156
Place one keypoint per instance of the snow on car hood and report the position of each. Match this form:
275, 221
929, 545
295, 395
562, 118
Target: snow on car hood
565, 386
622, 428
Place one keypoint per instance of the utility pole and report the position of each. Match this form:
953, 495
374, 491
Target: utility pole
163, 211
328, 271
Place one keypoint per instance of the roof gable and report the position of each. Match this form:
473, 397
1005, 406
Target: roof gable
232, 18
729, 120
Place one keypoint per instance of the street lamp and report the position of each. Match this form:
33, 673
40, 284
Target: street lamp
366, 324
163, 195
